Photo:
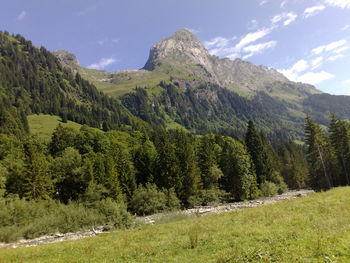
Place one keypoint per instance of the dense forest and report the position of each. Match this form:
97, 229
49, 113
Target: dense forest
210, 108
131, 164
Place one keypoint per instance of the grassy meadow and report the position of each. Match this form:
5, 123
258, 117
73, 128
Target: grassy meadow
308, 229
43, 125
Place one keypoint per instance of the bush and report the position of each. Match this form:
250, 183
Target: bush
30, 219
207, 197
150, 200
268, 189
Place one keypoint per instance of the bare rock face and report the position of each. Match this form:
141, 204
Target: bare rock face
181, 49
67, 59
184, 51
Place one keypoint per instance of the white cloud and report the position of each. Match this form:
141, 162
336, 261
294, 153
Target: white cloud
103, 63
258, 48
300, 66
326, 48
218, 42
253, 24
317, 62
299, 72
22, 15
283, 4
314, 10
285, 18
335, 57
346, 81
339, 3
263, 2
314, 78
252, 37
346, 27
192, 30
107, 41
87, 10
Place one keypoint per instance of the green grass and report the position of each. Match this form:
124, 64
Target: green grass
310, 229
43, 125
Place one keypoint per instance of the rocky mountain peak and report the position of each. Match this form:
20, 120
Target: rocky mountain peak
181, 48
67, 59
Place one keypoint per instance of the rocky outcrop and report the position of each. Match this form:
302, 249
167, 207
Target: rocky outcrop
67, 59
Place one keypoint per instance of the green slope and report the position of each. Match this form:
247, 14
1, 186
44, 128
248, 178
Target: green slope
310, 229
43, 125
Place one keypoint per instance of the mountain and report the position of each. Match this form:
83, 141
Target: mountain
34, 81
181, 84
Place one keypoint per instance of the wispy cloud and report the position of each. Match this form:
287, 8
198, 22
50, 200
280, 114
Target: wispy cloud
336, 46
258, 48
246, 46
284, 18
103, 63
226, 47
192, 30
346, 27
299, 72
108, 41
283, 4
263, 2
339, 3
304, 69
22, 15
314, 10
253, 24
252, 37
87, 10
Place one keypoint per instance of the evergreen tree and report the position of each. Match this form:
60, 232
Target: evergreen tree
321, 159
207, 162
37, 180
188, 169
239, 178
340, 141
262, 165
168, 171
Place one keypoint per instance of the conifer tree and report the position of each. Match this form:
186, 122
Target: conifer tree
340, 140
258, 153
320, 156
188, 169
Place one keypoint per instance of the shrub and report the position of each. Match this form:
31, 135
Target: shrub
150, 200
268, 189
207, 197
30, 219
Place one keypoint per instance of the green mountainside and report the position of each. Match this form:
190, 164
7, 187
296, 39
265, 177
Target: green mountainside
182, 84
34, 81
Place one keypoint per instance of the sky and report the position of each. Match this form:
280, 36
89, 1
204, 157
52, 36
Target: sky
306, 40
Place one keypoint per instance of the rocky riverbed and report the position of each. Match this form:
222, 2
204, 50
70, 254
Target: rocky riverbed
197, 211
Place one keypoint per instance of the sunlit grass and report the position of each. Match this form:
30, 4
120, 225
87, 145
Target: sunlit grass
309, 229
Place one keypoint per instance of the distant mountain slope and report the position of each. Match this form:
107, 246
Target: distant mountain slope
34, 81
196, 80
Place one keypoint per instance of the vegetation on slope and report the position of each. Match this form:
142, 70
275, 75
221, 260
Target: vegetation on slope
310, 229
34, 81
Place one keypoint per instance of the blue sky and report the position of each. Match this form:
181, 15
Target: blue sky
307, 40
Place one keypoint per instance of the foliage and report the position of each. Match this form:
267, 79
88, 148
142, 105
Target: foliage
29, 219
150, 200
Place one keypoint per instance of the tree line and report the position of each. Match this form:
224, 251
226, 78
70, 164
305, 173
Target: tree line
88, 165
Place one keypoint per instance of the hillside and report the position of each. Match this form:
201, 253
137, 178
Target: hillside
186, 86
34, 81
308, 229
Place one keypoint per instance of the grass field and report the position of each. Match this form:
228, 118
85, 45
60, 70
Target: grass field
43, 125
308, 229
